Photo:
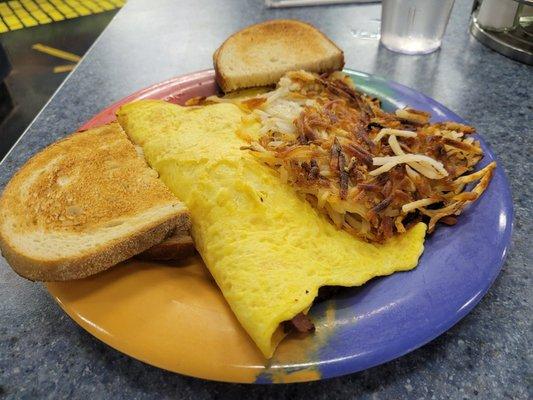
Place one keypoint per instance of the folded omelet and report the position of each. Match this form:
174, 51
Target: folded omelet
268, 249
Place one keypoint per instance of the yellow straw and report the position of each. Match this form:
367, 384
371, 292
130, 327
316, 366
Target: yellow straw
65, 55
64, 68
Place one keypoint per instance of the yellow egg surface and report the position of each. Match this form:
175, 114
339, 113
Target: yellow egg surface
268, 249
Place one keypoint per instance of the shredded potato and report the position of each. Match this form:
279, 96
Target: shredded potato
389, 162
393, 132
373, 173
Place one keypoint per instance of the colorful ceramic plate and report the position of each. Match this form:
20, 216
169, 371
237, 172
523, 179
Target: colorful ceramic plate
173, 316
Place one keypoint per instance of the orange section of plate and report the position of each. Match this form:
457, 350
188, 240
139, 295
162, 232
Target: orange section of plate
173, 316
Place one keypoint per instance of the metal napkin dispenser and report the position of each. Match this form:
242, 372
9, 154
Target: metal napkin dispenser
505, 26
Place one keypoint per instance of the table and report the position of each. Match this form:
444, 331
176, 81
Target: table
487, 355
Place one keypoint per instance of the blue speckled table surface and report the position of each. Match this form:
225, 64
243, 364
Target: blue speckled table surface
488, 355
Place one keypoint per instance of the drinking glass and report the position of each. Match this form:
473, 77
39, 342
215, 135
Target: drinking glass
414, 26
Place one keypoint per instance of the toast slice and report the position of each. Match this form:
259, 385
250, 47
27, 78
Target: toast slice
84, 204
261, 54
176, 247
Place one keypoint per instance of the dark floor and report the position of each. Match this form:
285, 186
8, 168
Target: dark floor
32, 80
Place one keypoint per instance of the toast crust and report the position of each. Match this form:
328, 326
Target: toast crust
89, 264
321, 54
84, 204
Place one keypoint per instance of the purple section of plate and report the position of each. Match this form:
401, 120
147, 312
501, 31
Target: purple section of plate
391, 316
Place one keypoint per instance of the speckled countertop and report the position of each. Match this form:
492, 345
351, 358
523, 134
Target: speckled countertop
488, 355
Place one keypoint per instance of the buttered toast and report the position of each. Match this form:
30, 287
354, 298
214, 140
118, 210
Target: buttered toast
84, 204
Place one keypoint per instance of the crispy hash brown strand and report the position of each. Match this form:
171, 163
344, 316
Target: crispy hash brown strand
374, 173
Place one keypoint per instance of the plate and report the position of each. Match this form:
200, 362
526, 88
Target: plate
173, 316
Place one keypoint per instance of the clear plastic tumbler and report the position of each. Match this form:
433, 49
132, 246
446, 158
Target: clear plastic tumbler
414, 26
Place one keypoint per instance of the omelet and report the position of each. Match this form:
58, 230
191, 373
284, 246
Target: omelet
267, 248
